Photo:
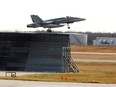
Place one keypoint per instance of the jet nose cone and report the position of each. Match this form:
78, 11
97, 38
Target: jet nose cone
81, 19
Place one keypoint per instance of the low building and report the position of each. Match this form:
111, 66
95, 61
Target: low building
78, 39
105, 41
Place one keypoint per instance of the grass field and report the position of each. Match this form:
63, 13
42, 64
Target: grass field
91, 72
93, 48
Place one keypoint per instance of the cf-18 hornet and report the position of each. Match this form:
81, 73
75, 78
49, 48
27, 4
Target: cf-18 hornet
53, 23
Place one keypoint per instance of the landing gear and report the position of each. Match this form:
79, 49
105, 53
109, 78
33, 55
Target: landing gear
68, 26
49, 30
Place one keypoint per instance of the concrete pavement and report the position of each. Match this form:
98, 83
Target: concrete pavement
16, 83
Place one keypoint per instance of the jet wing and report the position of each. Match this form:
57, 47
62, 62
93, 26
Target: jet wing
52, 25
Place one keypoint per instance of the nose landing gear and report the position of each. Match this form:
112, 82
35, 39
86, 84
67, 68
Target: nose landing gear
68, 26
49, 30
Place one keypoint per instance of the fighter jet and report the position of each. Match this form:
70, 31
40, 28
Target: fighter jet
53, 23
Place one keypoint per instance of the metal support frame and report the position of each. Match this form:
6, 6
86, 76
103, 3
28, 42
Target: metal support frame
69, 64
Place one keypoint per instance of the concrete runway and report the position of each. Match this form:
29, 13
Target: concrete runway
94, 60
98, 53
16, 83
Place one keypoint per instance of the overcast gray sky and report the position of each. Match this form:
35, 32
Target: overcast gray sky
100, 14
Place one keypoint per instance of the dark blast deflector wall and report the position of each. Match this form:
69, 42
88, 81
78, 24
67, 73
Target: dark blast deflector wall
41, 52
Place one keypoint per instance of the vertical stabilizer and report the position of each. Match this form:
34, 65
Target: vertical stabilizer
36, 18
